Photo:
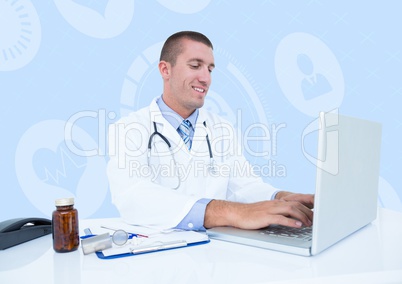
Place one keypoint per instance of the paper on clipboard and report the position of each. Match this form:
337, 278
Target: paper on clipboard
145, 239
148, 231
162, 241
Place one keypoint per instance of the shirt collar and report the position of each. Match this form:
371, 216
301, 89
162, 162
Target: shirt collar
173, 117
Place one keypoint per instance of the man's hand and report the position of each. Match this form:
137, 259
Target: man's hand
305, 199
288, 209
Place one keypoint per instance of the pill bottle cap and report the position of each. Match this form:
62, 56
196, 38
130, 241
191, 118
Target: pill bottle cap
64, 201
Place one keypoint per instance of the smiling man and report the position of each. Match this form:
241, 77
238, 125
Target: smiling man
194, 190
186, 66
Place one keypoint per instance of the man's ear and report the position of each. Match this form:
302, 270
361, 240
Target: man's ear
164, 69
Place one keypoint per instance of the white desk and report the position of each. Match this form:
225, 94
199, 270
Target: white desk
372, 255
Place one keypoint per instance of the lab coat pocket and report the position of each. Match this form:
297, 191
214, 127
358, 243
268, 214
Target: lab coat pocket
217, 179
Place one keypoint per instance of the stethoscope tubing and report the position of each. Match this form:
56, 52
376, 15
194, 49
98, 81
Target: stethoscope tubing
157, 133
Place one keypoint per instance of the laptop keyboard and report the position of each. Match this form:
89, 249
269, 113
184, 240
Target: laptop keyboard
304, 233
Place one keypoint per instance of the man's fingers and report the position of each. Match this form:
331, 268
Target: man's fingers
261, 214
295, 210
286, 221
306, 199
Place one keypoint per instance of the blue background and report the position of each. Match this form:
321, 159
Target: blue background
89, 62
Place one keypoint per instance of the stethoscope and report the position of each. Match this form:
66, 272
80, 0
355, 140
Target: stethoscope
211, 167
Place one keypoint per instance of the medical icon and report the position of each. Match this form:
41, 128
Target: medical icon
314, 84
99, 22
309, 74
42, 192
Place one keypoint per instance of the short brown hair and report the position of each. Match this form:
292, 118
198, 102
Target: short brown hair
173, 47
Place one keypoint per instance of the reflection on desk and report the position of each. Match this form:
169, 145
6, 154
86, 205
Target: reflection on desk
371, 255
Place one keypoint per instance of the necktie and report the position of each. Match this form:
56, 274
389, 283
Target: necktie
184, 131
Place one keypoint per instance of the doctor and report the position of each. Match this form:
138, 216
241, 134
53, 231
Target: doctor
191, 175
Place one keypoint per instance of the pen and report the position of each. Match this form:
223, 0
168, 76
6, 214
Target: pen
159, 246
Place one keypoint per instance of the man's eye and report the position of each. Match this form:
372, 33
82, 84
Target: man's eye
194, 66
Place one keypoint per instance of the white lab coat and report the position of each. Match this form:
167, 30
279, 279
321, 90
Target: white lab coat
144, 195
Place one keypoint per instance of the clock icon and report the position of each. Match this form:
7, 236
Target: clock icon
20, 35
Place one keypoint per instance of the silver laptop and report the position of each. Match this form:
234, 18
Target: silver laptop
348, 163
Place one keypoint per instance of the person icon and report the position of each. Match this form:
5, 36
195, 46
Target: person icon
314, 84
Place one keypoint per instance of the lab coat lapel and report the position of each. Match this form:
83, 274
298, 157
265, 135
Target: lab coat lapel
199, 140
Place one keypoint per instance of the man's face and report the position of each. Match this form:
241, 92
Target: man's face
191, 76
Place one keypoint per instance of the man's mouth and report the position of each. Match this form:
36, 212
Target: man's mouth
200, 90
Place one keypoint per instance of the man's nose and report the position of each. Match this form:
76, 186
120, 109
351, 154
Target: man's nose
205, 76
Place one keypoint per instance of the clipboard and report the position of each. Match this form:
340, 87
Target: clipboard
154, 243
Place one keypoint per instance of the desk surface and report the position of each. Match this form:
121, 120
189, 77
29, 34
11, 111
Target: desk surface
371, 255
